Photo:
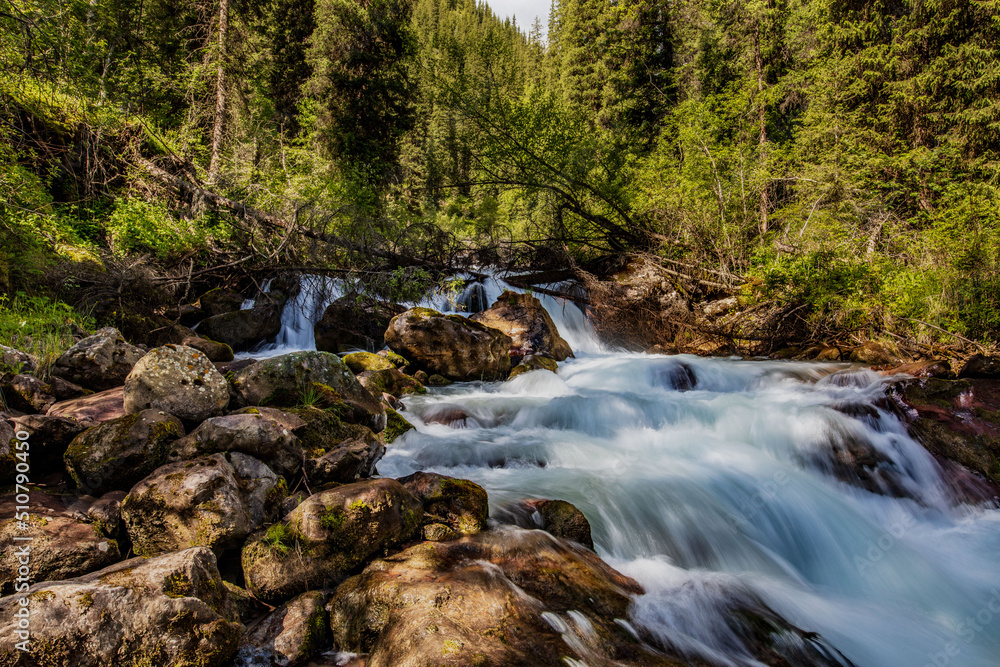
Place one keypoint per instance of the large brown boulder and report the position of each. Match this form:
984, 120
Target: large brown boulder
219, 301
288, 636
328, 535
213, 501
179, 380
98, 362
458, 503
117, 454
242, 329
349, 323
93, 408
288, 379
450, 345
170, 610
522, 317
258, 434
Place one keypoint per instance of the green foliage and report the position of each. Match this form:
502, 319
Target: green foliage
39, 326
138, 226
279, 538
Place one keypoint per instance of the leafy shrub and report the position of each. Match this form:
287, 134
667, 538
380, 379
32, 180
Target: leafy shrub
140, 226
39, 326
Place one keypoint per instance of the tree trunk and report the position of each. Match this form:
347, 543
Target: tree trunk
762, 119
220, 91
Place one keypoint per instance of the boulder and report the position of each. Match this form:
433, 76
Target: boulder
61, 547
117, 454
93, 408
346, 461
359, 362
64, 389
179, 380
934, 368
170, 610
98, 362
27, 393
458, 503
215, 351
450, 345
213, 501
390, 381
499, 598
556, 517
319, 429
395, 426
259, 435
219, 301
874, 354
14, 361
534, 363
522, 317
283, 380
48, 438
328, 535
981, 367
349, 323
243, 329
288, 636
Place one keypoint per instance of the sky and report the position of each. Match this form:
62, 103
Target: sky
524, 10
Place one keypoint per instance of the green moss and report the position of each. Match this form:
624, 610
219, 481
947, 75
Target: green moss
360, 362
438, 381
395, 426
397, 360
177, 585
333, 518
86, 599
280, 538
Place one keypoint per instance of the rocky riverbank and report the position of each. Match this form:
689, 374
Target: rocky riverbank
191, 510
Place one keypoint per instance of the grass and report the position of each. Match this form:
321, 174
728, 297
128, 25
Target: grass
39, 326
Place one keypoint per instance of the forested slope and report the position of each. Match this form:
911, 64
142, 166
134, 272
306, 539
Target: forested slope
840, 159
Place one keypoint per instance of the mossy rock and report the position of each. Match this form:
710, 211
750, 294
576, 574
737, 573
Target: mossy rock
438, 381
359, 362
459, 503
390, 381
395, 426
534, 363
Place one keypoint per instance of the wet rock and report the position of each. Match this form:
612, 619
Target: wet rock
288, 636
459, 503
450, 345
117, 454
48, 438
855, 461
675, 375
62, 546
14, 361
874, 354
213, 501
359, 362
219, 301
258, 435
281, 381
346, 461
454, 416
396, 425
26, 393
92, 409
327, 536
980, 366
215, 351
242, 329
499, 598
98, 362
349, 323
179, 380
936, 368
440, 532
170, 610
531, 329
390, 381
556, 517
534, 363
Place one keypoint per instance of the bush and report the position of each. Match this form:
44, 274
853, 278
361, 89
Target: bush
140, 226
39, 326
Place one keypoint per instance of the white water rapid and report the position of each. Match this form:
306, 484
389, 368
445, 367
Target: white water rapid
727, 489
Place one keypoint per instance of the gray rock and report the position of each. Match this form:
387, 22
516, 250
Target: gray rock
28, 394
259, 435
15, 361
213, 501
522, 317
288, 636
242, 329
179, 380
345, 461
98, 362
170, 610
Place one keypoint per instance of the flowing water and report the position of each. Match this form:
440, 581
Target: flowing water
723, 489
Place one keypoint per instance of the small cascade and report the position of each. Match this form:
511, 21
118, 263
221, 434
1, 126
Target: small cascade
299, 316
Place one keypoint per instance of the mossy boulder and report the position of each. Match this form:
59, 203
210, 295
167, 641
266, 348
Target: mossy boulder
213, 501
329, 534
177, 379
359, 362
98, 362
450, 345
459, 503
397, 360
321, 429
243, 329
117, 454
390, 381
283, 380
556, 517
169, 610
62, 545
26, 393
259, 435
346, 461
530, 327
289, 635
396, 426
215, 351
220, 300
534, 363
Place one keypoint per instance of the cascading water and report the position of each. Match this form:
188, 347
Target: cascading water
714, 480
298, 316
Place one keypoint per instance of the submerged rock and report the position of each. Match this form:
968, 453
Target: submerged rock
170, 610
329, 534
179, 380
98, 362
450, 345
117, 454
282, 381
530, 327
